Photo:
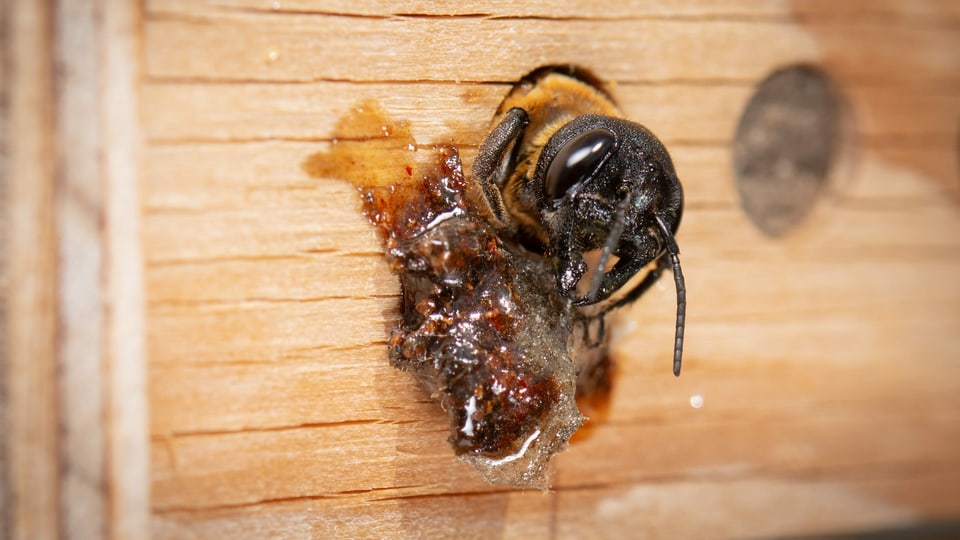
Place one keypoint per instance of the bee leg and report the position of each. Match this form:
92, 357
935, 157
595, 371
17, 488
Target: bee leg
601, 333
652, 276
616, 278
494, 159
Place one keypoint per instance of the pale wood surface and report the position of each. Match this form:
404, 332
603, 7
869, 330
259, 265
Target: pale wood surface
73, 405
828, 360
30, 408
127, 463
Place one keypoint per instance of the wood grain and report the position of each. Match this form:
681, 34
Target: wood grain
127, 463
827, 360
74, 417
31, 415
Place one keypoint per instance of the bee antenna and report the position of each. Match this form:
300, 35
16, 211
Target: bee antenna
613, 239
674, 253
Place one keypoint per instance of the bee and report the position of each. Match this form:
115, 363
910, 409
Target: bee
564, 175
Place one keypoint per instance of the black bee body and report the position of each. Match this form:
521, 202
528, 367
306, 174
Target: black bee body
564, 175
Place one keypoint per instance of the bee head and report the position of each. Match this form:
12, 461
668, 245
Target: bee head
609, 185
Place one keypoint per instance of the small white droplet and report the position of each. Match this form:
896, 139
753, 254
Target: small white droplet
696, 401
272, 55
275, 6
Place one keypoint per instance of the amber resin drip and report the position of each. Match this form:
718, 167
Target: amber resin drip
483, 328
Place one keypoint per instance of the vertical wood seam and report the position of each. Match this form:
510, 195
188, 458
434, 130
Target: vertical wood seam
32, 433
78, 217
124, 359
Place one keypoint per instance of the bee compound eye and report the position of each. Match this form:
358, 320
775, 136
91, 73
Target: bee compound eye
577, 160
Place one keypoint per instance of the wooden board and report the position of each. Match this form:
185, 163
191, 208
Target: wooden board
827, 361
73, 462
